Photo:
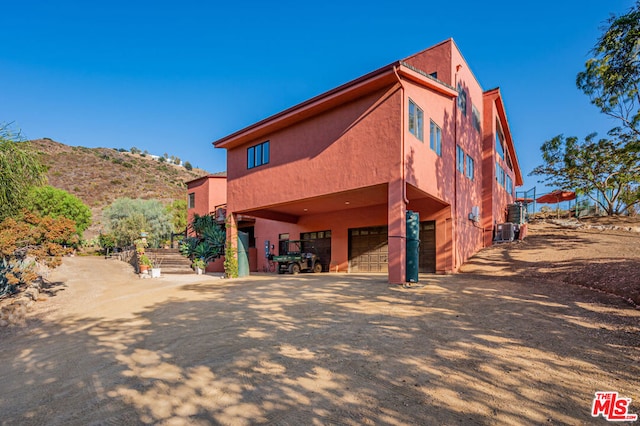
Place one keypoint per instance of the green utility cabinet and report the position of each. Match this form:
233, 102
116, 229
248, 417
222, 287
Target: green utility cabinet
413, 246
243, 254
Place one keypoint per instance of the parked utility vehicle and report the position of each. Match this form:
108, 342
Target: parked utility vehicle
296, 260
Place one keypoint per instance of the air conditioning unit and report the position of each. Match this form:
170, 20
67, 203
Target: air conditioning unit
505, 232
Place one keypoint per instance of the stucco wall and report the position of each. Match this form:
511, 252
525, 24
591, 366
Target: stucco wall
352, 146
210, 191
496, 198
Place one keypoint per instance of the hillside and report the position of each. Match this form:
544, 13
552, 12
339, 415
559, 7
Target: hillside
98, 176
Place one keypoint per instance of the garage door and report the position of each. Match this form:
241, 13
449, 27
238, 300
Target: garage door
321, 240
427, 260
369, 249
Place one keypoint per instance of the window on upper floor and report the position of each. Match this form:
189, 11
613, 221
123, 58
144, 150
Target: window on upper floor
476, 118
499, 141
462, 100
416, 120
459, 158
499, 174
434, 74
509, 185
470, 167
258, 155
435, 138
192, 200
507, 158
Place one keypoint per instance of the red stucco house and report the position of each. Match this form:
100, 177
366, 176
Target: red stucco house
344, 167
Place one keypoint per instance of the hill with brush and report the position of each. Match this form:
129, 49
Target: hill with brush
98, 176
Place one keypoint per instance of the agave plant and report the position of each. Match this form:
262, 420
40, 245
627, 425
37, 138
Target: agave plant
208, 244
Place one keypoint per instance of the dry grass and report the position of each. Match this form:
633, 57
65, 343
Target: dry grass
98, 176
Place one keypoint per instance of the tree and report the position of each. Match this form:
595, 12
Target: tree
20, 169
50, 201
188, 166
29, 237
126, 219
604, 170
178, 212
612, 77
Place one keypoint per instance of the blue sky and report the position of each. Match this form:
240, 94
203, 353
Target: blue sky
171, 77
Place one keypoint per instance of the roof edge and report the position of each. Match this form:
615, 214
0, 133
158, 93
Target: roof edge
305, 106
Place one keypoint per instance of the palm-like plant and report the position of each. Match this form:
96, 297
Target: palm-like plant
208, 244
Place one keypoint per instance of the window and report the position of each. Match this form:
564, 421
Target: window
192, 200
416, 117
258, 155
499, 139
435, 138
500, 174
476, 118
470, 167
460, 159
462, 100
509, 186
434, 74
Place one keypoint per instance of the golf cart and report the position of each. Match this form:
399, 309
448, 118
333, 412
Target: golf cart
295, 260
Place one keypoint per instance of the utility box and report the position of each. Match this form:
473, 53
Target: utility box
413, 246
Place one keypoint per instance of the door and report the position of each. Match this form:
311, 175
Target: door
369, 249
427, 261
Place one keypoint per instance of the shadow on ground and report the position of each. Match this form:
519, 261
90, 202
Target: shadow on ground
328, 349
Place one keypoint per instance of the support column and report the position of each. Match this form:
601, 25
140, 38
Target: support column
396, 218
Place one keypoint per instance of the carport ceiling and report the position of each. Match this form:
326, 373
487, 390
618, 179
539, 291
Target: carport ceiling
357, 198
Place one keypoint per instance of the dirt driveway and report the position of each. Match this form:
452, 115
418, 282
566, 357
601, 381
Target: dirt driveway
485, 347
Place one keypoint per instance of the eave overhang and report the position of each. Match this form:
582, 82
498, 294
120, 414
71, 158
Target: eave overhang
502, 115
369, 83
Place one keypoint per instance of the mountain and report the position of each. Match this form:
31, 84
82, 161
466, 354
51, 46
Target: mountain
98, 176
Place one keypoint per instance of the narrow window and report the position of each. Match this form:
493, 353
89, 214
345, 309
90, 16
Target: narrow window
460, 159
435, 138
509, 187
192, 200
251, 159
500, 174
416, 120
476, 118
499, 141
470, 167
258, 161
462, 100
265, 152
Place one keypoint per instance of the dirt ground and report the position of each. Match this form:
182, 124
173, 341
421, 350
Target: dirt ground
512, 340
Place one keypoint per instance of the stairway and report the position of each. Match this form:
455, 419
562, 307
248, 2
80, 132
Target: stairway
170, 261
